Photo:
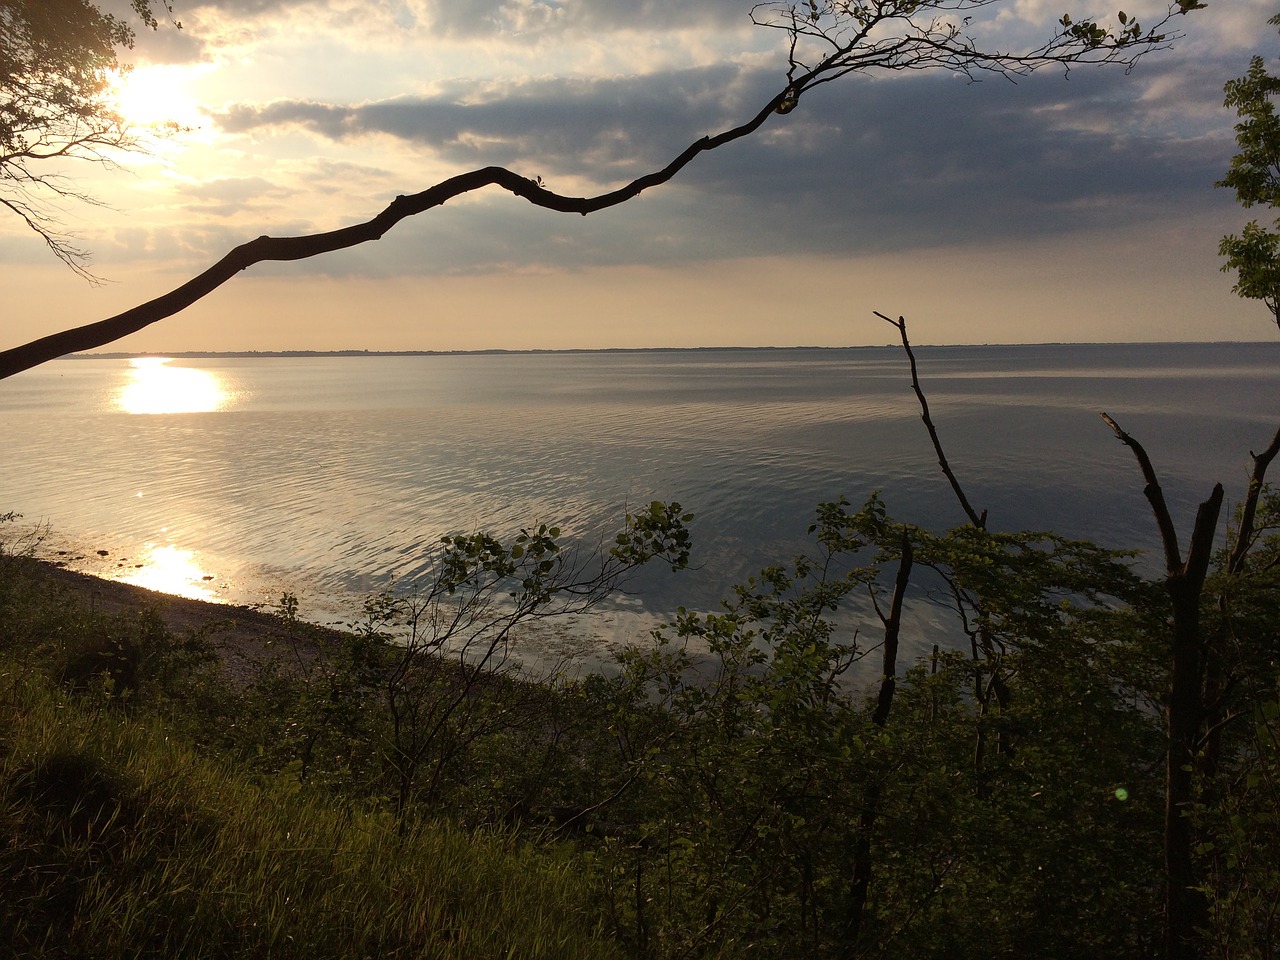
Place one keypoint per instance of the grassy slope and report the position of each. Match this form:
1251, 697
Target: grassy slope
118, 838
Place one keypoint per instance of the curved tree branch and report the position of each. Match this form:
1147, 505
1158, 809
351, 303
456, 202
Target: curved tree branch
927, 38
1155, 496
266, 248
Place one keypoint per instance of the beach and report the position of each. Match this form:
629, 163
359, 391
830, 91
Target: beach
240, 635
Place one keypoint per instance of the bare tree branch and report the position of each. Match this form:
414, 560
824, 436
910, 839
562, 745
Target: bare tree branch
979, 520
1185, 910
58, 66
266, 248
1244, 535
921, 34
863, 866
1155, 496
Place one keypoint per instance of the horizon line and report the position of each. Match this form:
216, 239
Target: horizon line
499, 351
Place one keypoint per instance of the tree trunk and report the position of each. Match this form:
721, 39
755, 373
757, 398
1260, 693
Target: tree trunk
862, 864
1185, 910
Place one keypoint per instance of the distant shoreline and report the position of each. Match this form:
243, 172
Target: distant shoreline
493, 351
497, 351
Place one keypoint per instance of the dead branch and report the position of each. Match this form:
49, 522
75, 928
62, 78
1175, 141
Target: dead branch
1244, 535
1154, 495
979, 520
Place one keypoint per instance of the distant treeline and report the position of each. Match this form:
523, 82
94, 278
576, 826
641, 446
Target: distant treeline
202, 354
180, 354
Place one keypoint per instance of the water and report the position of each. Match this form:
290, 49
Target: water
333, 477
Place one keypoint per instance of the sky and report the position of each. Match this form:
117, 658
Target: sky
1063, 207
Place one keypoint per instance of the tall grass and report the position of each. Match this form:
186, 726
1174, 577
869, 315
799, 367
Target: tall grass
118, 839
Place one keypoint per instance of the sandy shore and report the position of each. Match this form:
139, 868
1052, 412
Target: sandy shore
239, 634
244, 636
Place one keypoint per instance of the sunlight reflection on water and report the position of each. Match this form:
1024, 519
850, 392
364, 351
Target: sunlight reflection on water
154, 387
335, 477
169, 569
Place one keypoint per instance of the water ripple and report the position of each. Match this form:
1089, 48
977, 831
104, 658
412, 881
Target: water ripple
334, 476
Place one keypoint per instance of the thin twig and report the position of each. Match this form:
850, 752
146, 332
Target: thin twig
1155, 496
979, 520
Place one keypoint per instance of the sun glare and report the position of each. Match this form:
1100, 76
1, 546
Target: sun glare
158, 96
155, 387
172, 570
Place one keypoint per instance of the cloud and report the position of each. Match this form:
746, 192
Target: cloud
421, 21
558, 17
230, 196
865, 165
252, 8
575, 126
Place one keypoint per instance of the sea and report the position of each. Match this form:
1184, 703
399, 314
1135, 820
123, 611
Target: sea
333, 477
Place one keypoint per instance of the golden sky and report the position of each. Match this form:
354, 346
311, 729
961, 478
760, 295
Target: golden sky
1076, 208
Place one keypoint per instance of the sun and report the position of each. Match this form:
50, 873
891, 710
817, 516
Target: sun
158, 96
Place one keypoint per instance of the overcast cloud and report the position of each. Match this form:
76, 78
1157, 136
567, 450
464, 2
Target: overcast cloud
865, 166
313, 114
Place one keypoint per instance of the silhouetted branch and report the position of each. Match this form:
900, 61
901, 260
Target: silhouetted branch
1155, 496
979, 520
863, 866
892, 629
302, 248
850, 43
1185, 910
1244, 535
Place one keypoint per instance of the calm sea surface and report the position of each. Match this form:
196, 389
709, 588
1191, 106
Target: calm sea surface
333, 477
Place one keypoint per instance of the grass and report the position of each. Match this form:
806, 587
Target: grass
120, 838
152, 806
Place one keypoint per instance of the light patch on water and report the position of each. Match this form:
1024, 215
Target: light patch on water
154, 387
170, 569
334, 478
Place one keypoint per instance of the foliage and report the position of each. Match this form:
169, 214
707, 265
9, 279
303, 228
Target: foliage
1237, 814
751, 766
121, 840
734, 790
1237, 763
410, 717
1242, 835
58, 61
1255, 177
118, 657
